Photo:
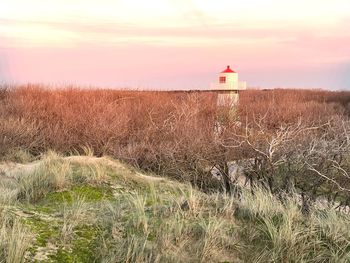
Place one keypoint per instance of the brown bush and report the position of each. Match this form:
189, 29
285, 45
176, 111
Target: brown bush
281, 106
169, 133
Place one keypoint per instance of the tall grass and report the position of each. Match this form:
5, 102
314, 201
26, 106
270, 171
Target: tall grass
8, 191
279, 232
52, 174
166, 231
269, 231
73, 215
15, 239
18, 241
25, 185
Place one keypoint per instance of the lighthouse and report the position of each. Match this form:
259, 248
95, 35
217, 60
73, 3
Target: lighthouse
228, 86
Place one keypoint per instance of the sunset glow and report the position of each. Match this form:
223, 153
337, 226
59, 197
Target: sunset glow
176, 44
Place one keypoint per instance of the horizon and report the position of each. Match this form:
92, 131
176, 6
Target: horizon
175, 44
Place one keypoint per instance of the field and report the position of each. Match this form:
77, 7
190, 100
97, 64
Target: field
127, 176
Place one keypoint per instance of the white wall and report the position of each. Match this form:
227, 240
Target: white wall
230, 77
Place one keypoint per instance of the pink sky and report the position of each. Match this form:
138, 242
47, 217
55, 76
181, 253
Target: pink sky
174, 44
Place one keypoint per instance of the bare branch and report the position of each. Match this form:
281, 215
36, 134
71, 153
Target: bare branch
311, 168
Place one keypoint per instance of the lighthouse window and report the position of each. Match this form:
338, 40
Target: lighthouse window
222, 79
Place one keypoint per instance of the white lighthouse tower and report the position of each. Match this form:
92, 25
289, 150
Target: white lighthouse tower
228, 87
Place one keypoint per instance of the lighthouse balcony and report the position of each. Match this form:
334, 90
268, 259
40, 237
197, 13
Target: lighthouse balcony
241, 85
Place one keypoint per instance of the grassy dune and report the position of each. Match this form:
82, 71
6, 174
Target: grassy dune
88, 209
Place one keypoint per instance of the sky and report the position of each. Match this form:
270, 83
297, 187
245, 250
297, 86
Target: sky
176, 44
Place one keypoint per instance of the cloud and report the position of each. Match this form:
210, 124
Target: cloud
112, 33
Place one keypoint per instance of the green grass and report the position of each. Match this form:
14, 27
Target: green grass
86, 209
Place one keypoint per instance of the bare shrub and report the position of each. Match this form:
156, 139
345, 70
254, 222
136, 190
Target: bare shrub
168, 133
281, 106
310, 160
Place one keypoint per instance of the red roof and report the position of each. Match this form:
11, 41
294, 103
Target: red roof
228, 70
